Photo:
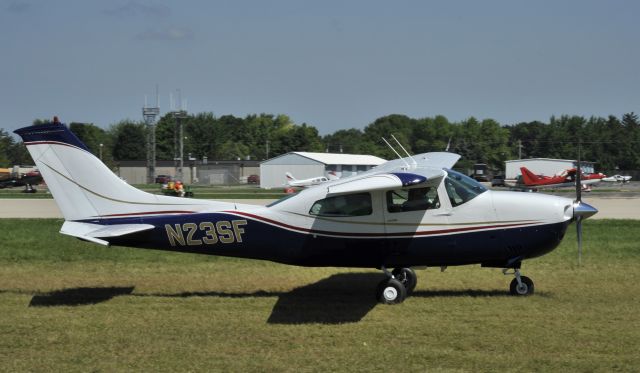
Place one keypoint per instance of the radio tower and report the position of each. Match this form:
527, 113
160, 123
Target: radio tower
149, 114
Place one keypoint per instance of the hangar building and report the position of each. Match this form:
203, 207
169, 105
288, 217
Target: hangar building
544, 166
211, 172
304, 165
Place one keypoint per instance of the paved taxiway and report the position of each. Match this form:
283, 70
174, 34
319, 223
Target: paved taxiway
608, 207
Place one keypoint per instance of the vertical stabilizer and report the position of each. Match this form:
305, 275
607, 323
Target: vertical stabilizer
528, 177
84, 187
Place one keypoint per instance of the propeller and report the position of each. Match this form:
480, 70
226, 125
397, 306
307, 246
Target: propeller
581, 210
578, 201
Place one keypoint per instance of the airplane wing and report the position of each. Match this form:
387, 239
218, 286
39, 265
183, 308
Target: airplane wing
544, 186
437, 160
96, 232
384, 181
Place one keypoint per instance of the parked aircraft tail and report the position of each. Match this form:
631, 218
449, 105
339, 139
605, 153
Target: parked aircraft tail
528, 177
290, 177
84, 188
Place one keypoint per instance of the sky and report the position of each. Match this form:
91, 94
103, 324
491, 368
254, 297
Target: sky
331, 64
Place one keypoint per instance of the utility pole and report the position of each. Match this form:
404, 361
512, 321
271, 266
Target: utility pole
149, 114
519, 149
267, 149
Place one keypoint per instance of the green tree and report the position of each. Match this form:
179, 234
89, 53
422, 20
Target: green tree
231, 150
630, 157
300, 138
129, 141
92, 136
398, 125
350, 141
6, 142
18, 154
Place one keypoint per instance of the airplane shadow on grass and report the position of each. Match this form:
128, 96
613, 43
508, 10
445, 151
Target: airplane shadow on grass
340, 298
78, 296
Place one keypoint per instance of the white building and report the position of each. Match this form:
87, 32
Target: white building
544, 166
304, 165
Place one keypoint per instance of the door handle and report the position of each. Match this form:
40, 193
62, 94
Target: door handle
448, 213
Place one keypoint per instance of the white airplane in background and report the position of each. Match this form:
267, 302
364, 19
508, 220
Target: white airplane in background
618, 179
293, 182
408, 212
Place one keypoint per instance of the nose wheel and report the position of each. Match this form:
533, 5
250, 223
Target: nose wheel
521, 285
397, 286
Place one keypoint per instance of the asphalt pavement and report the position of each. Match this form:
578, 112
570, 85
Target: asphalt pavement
609, 206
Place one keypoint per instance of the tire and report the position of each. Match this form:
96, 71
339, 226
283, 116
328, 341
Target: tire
391, 291
407, 277
526, 289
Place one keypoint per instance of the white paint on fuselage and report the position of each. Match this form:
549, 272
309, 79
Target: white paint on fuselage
489, 210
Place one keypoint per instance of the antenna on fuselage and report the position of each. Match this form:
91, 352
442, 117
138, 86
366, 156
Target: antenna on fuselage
398, 154
415, 164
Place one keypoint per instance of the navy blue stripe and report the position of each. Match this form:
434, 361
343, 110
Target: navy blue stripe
263, 241
56, 132
408, 179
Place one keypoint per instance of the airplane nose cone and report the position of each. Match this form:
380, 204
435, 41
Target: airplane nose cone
583, 210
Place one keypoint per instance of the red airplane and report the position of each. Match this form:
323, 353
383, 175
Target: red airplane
564, 179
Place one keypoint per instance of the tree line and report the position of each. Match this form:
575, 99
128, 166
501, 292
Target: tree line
612, 142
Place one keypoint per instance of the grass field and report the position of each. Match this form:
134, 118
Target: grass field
66, 305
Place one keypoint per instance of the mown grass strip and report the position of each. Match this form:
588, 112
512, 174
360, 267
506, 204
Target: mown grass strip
68, 305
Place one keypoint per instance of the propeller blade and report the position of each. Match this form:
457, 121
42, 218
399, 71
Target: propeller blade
579, 230
579, 176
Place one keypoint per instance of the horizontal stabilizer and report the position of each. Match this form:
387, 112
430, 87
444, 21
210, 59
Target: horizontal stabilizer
98, 233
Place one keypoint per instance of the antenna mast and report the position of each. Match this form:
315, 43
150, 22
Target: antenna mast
405, 151
402, 159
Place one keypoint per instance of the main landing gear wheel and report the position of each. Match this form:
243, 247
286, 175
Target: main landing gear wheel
523, 287
407, 277
391, 291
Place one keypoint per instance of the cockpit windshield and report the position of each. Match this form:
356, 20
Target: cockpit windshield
461, 188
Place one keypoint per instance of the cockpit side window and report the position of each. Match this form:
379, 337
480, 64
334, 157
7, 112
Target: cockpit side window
416, 199
461, 188
358, 204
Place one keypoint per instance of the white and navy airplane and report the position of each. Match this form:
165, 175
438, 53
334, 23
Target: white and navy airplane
408, 212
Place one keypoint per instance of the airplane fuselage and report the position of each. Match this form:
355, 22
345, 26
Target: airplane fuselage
445, 236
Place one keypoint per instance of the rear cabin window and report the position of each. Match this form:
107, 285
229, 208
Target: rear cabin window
345, 205
417, 199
